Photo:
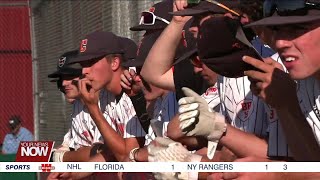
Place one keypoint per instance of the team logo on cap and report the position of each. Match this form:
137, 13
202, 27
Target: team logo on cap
62, 60
83, 45
152, 9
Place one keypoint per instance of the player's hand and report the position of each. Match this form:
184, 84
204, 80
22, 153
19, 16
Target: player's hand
271, 83
167, 150
196, 119
129, 82
89, 95
180, 5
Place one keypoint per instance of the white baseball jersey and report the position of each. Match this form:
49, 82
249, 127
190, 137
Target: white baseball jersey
120, 114
309, 99
165, 109
251, 114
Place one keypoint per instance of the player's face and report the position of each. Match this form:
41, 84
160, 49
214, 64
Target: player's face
204, 71
71, 90
15, 129
98, 72
299, 49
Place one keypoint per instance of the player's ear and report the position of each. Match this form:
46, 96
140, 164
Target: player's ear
115, 63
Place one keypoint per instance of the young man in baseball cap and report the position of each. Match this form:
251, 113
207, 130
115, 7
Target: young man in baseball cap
243, 116
101, 55
296, 33
162, 104
82, 139
295, 25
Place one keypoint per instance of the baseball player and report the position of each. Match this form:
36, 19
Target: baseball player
297, 111
162, 103
243, 114
302, 66
101, 55
83, 140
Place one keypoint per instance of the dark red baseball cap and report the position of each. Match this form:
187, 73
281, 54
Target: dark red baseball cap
207, 7
221, 48
98, 44
130, 49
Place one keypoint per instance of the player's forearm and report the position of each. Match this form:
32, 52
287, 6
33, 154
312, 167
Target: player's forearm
111, 138
174, 132
82, 155
297, 129
250, 144
162, 55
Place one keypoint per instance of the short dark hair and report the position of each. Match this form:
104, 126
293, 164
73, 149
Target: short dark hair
109, 57
253, 8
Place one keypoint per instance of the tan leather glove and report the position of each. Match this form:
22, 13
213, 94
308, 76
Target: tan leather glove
197, 119
167, 150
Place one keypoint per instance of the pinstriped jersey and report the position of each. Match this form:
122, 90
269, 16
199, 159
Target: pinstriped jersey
120, 114
309, 99
165, 109
241, 108
249, 113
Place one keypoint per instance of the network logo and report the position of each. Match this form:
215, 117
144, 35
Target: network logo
46, 167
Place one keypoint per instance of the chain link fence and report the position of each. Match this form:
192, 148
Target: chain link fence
57, 27
15, 71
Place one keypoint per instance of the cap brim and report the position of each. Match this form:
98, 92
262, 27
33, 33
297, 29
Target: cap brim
143, 27
283, 20
88, 57
133, 63
186, 55
65, 71
189, 12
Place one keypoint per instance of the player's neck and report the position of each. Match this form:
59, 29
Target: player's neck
114, 86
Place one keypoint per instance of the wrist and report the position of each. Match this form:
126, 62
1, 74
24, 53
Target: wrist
133, 154
218, 129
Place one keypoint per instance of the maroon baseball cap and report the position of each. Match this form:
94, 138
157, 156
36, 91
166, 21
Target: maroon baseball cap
98, 44
144, 47
130, 49
63, 66
207, 7
221, 48
161, 10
